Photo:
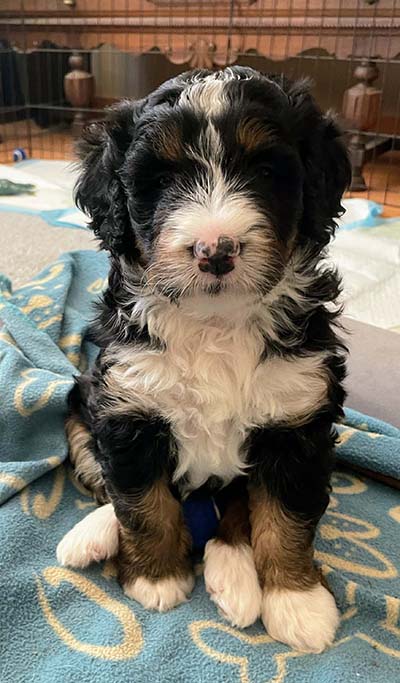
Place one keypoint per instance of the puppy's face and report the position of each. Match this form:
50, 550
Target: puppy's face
208, 179
214, 188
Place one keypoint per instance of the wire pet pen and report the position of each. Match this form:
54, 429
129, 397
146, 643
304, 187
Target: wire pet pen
62, 61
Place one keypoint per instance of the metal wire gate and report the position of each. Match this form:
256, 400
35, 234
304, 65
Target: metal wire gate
62, 61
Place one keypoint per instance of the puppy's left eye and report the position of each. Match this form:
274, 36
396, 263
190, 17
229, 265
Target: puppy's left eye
265, 170
163, 181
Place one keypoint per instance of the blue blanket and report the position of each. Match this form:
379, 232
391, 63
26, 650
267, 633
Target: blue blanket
59, 625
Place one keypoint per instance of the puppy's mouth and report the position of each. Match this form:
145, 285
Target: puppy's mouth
207, 276
213, 281
215, 287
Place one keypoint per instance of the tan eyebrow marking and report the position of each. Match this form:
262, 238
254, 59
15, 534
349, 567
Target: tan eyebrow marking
168, 141
251, 133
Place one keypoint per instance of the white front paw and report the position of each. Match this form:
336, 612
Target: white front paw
231, 580
161, 595
306, 620
94, 538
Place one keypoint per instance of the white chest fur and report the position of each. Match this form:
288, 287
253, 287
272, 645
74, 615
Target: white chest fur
210, 385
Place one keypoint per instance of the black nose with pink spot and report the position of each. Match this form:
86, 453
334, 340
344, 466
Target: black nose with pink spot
218, 257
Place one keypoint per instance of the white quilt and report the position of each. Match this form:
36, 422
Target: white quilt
369, 261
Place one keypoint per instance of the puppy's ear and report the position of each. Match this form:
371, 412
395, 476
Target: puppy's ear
98, 191
326, 164
328, 175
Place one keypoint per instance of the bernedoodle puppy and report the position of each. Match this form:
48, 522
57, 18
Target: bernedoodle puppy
219, 368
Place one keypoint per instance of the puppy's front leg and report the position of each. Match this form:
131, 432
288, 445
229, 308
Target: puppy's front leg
287, 496
154, 549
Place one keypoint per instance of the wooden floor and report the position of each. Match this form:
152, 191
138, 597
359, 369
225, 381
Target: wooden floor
382, 176
38, 143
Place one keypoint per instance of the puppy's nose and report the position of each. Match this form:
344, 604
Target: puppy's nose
217, 257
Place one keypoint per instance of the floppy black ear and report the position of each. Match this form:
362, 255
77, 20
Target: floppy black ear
326, 164
328, 174
99, 191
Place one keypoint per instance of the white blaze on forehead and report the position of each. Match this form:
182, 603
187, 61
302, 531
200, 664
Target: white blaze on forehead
213, 208
207, 96
213, 205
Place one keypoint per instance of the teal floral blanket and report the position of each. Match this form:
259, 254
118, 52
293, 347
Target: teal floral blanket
64, 626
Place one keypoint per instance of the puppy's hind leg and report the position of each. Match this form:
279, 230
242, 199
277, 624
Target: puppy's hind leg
94, 538
81, 454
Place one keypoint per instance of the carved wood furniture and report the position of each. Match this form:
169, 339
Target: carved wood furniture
79, 90
206, 33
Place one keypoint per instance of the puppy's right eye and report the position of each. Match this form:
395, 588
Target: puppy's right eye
266, 170
163, 181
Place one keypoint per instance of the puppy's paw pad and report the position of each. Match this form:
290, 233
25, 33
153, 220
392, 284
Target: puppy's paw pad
305, 620
93, 539
232, 583
161, 595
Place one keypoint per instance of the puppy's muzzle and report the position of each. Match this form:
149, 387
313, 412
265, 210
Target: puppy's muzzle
217, 257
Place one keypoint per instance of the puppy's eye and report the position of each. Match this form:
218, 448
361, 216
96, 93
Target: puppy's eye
163, 181
265, 171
